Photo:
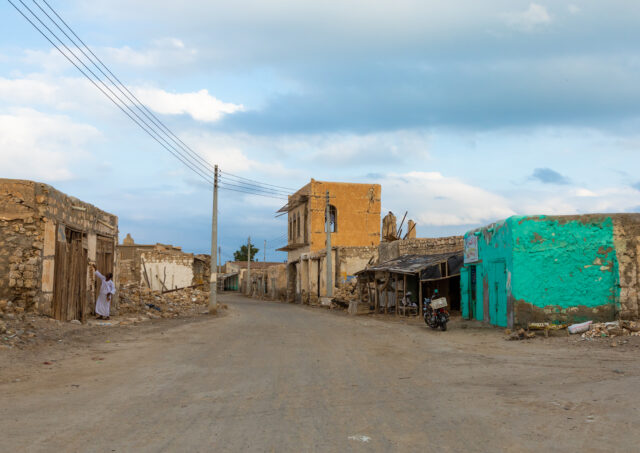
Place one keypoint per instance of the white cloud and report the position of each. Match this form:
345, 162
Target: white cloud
433, 199
27, 91
200, 105
163, 52
574, 9
534, 16
34, 145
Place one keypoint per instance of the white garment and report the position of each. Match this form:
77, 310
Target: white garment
107, 287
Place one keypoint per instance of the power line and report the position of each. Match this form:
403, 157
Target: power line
256, 187
138, 104
157, 137
288, 189
235, 183
250, 193
149, 122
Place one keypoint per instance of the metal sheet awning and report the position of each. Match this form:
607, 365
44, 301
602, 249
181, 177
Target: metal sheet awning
428, 266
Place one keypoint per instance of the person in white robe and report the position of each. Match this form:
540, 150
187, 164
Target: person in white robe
107, 289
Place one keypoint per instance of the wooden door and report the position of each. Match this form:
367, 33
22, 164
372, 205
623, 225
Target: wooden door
70, 278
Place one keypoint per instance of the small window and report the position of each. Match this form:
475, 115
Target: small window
298, 225
333, 219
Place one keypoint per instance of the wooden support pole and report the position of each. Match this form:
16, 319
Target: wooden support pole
386, 294
420, 294
396, 294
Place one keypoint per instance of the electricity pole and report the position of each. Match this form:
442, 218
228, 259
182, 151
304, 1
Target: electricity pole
213, 274
329, 257
249, 266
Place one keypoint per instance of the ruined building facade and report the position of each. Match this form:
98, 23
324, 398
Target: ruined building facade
160, 267
558, 269
354, 214
47, 240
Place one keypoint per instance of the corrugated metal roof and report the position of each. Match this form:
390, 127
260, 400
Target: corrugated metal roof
411, 264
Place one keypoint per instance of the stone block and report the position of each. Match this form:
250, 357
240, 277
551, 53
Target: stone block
49, 238
30, 283
47, 275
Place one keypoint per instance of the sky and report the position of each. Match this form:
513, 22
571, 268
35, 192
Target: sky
465, 112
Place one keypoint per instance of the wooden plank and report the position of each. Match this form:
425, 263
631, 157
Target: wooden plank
420, 295
146, 276
396, 304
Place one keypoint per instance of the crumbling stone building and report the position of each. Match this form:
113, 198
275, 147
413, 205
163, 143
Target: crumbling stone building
47, 240
160, 267
558, 269
354, 217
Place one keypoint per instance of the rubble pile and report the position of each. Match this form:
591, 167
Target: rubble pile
519, 334
15, 329
613, 329
349, 293
135, 300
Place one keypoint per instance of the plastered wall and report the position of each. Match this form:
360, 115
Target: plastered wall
560, 268
167, 270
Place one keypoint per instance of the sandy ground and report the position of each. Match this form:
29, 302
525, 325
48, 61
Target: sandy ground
277, 378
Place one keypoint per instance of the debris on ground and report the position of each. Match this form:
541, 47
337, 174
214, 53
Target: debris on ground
138, 300
137, 304
613, 329
579, 328
520, 334
347, 297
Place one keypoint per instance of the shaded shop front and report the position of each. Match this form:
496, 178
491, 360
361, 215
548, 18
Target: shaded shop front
555, 269
412, 278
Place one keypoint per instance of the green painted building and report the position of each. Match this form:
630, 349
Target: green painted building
552, 268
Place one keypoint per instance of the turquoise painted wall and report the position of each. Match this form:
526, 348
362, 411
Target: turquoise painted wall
556, 267
494, 245
565, 262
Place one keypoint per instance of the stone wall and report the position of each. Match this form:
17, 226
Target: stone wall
30, 215
627, 244
419, 246
351, 260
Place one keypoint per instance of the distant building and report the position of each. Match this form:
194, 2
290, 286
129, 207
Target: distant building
553, 269
47, 240
268, 279
354, 215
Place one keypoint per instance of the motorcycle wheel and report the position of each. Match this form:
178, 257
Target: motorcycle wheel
443, 326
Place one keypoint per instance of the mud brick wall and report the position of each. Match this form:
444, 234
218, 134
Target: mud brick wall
419, 246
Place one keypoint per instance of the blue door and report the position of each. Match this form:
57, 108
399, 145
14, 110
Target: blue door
498, 293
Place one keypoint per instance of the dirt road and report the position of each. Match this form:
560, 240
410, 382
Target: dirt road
278, 378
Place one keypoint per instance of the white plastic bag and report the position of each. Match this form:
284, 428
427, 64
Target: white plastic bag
580, 328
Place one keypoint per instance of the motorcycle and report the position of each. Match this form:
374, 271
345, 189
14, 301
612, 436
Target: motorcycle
435, 312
